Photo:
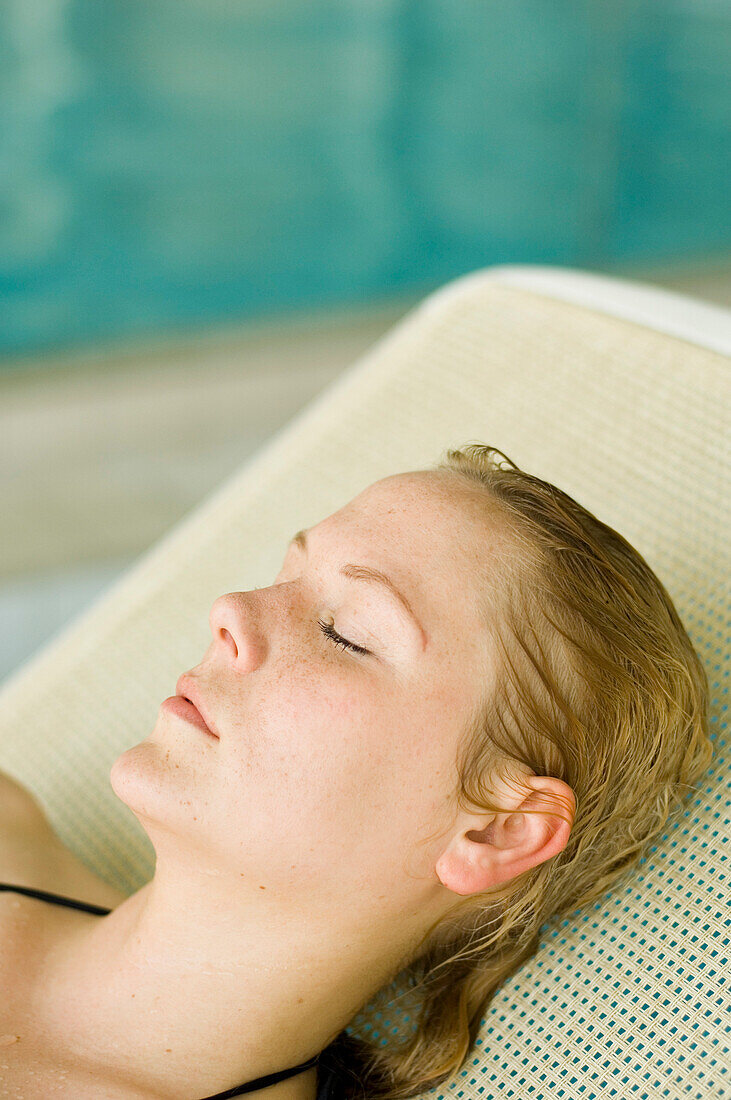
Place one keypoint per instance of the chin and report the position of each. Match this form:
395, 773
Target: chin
133, 773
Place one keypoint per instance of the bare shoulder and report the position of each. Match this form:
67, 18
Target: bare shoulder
33, 855
17, 805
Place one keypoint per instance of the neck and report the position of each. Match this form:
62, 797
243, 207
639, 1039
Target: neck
185, 990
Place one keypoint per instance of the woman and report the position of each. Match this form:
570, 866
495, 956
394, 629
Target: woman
465, 706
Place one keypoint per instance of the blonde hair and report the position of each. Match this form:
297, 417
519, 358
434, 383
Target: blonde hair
599, 685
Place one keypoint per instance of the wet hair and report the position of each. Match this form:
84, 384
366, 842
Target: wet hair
598, 685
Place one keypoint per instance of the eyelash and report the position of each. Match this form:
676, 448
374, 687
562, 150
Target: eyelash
328, 631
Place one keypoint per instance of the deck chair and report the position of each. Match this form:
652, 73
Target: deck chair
617, 392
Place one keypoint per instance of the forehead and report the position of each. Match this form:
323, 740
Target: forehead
431, 503
432, 533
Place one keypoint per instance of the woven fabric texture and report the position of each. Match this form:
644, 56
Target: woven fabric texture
631, 999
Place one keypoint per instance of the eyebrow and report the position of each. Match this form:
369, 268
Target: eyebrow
371, 576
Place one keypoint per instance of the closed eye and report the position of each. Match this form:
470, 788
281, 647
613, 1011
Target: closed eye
328, 631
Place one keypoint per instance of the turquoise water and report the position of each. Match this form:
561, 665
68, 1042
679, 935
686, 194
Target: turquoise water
173, 163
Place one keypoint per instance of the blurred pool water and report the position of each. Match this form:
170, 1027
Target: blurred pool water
170, 164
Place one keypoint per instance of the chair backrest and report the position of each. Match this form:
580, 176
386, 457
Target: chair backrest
628, 1000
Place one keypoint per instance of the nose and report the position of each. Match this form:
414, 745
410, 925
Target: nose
234, 631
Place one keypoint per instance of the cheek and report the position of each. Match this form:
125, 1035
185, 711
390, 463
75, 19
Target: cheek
310, 735
335, 770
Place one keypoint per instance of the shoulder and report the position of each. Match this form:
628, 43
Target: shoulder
33, 855
19, 809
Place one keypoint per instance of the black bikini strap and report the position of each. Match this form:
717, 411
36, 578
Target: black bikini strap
264, 1082
44, 895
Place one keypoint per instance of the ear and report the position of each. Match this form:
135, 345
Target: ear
496, 847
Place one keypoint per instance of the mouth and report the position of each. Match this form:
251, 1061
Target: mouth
183, 708
187, 688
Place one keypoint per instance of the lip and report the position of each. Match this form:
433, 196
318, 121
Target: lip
178, 704
187, 692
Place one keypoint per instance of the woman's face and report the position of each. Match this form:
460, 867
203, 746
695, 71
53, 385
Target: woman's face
333, 767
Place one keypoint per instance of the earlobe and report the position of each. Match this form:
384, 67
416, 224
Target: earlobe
464, 869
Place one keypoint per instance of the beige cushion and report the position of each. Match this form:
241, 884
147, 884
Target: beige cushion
623, 1001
